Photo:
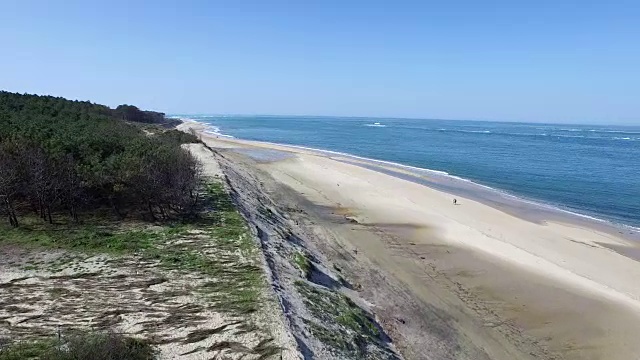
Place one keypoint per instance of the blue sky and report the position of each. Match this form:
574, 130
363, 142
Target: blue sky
551, 61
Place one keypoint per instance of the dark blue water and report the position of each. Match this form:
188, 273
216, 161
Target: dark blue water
593, 170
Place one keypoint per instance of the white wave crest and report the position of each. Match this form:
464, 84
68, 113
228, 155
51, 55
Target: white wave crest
209, 129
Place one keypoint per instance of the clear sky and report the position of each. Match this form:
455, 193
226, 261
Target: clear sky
552, 61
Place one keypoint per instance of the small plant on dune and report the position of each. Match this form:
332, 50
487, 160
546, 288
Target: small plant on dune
303, 263
96, 346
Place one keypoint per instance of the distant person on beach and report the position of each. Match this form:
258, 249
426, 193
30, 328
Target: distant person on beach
455, 202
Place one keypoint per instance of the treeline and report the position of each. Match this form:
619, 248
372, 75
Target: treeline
132, 113
67, 157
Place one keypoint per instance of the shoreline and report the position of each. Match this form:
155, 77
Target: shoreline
498, 198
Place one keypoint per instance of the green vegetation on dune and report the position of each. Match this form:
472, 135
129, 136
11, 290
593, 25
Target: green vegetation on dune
92, 346
341, 324
335, 308
303, 263
217, 245
229, 255
85, 238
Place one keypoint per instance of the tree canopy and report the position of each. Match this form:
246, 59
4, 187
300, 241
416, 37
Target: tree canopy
132, 113
61, 155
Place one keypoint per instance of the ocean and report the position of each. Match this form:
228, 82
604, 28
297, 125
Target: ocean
586, 169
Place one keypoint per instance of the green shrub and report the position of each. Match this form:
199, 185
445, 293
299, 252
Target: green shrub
100, 346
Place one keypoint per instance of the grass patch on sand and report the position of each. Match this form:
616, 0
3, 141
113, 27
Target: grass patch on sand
221, 248
342, 325
85, 238
302, 262
236, 285
229, 255
96, 346
333, 307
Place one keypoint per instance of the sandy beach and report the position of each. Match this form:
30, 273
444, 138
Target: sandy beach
466, 280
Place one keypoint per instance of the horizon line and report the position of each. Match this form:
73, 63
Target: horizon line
399, 118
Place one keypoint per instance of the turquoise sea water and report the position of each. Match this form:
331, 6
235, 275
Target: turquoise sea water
587, 169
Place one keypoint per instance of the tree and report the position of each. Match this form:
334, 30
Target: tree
11, 179
42, 184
